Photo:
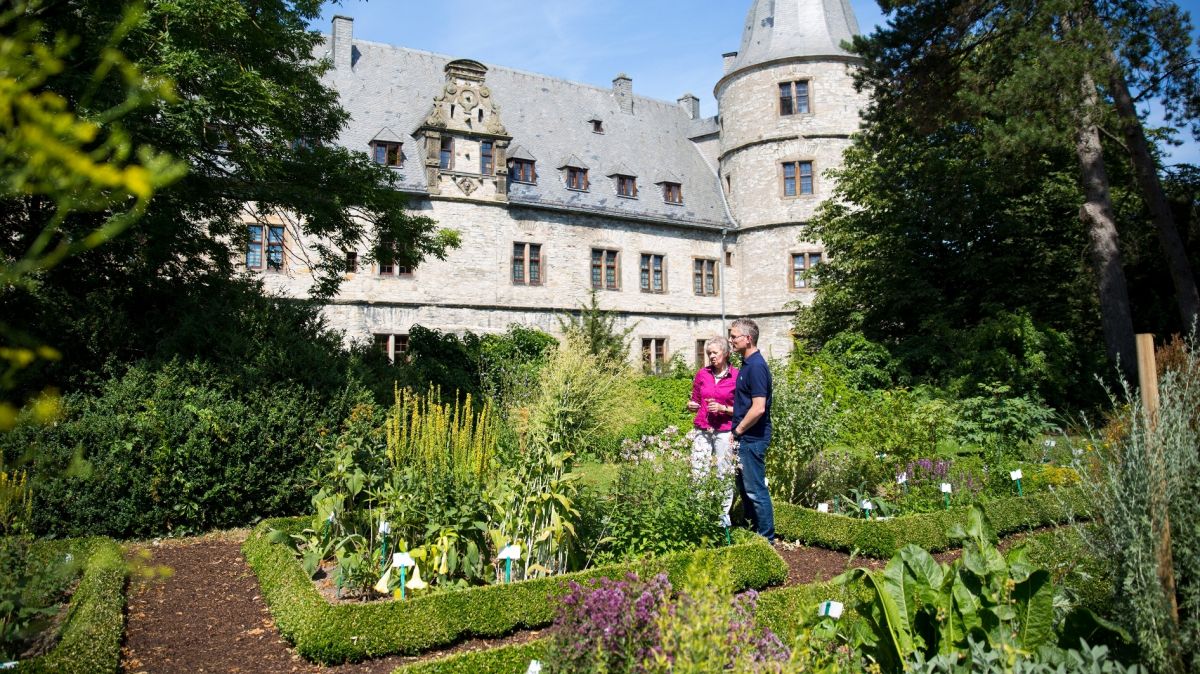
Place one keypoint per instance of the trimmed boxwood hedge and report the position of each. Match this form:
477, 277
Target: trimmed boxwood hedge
512, 659
90, 638
332, 634
882, 538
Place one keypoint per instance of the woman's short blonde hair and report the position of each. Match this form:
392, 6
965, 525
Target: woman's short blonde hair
718, 341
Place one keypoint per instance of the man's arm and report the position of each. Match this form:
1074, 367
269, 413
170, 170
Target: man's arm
758, 407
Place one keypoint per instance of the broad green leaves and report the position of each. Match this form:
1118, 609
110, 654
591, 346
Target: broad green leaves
921, 608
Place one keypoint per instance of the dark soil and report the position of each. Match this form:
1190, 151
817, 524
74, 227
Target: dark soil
208, 616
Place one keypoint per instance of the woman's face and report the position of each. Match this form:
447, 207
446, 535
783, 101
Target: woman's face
716, 357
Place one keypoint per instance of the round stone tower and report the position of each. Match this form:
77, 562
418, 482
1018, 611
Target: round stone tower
787, 108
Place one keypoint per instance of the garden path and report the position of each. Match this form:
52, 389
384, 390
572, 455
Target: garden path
209, 617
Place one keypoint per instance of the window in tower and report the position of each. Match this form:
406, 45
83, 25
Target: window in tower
793, 98
797, 178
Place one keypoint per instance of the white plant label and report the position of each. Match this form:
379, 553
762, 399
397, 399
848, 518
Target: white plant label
400, 559
510, 552
1016, 475
867, 505
822, 507
535, 667
384, 528
946, 488
902, 478
830, 609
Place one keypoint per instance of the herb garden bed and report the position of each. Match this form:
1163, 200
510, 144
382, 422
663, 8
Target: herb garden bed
331, 634
782, 610
90, 636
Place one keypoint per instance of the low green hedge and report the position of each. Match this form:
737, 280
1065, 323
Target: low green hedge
882, 538
330, 634
502, 660
90, 637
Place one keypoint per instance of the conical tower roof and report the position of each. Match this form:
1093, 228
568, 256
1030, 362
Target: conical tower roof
778, 29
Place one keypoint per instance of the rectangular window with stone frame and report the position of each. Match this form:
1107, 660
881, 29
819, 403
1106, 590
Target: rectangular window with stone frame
265, 253
527, 264
701, 354
487, 163
654, 355
704, 277
801, 268
606, 272
446, 154
653, 273
351, 262
797, 178
393, 346
793, 98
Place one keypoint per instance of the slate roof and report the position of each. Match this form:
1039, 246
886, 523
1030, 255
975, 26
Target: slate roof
785, 28
393, 87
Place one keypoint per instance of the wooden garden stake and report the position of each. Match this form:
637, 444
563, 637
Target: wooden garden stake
1148, 384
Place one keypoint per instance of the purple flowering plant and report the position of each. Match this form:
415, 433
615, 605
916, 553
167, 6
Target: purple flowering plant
633, 626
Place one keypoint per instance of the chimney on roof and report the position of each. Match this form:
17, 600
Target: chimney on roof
727, 60
691, 105
623, 92
342, 45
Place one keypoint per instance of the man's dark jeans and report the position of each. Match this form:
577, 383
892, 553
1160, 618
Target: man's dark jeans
752, 483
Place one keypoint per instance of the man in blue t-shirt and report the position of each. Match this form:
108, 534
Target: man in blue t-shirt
752, 427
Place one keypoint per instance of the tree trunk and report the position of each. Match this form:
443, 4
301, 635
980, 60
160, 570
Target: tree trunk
1156, 200
1097, 215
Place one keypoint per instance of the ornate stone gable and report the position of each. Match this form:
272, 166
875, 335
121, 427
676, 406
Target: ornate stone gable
465, 139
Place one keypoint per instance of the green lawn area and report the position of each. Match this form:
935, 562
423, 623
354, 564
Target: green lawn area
598, 476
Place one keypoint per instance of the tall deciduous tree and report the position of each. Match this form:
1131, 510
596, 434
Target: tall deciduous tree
1032, 75
257, 130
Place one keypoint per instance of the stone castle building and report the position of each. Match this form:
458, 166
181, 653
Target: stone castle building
557, 188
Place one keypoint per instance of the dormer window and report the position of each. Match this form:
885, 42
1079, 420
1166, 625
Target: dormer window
487, 164
597, 126
387, 153
577, 178
793, 98
627, 186
521, 171
672, 193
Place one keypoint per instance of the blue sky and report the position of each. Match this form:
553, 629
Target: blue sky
668, 47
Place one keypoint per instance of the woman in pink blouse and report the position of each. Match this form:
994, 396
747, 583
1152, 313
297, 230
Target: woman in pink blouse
712, 401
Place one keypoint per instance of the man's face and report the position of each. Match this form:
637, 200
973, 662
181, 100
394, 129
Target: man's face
740, 341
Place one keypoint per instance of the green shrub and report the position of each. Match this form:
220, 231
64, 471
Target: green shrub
657, 505
1141, 478
175, 449
806, 417
350, 632
90, 640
